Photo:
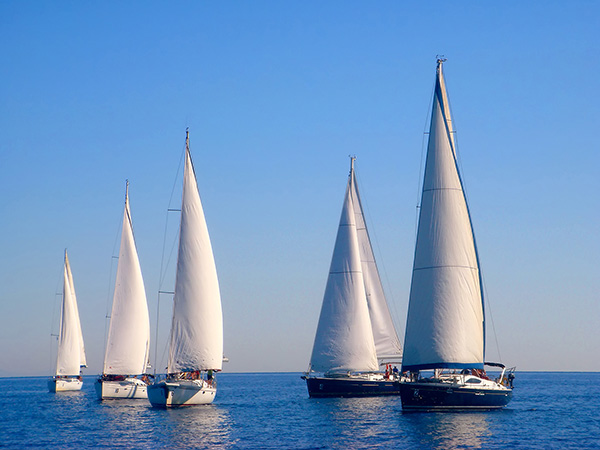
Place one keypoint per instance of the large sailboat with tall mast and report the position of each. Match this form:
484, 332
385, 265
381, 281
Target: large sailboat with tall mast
127, 347
355, 335
196, 345
444, 345
70, 356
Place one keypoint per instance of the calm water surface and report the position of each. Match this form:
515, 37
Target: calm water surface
267, 411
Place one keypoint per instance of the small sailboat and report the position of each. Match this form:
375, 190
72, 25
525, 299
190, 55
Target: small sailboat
445, 329
355, 334
196, 347
127, 347
71, 352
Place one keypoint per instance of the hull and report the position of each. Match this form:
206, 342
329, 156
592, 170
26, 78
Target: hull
64, 384
319, 387
431, 396
128, 388
165, 394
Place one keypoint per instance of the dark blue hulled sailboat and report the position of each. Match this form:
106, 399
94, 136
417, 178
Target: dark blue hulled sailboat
355, 336
446, 326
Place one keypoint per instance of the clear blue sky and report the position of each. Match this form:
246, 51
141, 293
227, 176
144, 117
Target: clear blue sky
276, 96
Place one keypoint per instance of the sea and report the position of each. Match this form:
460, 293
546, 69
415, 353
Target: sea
549, 410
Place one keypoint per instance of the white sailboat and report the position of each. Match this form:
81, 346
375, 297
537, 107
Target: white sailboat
127, 347
355, 334
445, 329
196, 347
71, 352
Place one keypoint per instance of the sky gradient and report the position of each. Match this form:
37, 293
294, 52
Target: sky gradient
276, 96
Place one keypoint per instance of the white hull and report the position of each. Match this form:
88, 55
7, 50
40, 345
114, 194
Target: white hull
128, 388
64, 384
165, 394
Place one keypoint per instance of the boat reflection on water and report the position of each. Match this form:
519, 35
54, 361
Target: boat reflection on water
445, 431
356, 422
200, 427
129, 420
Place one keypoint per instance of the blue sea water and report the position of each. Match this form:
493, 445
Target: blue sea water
272, 411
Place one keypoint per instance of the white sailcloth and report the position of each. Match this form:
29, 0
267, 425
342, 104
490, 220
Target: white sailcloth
197, 327
445, 324
344, 339
386, 340
70, 340
129, 333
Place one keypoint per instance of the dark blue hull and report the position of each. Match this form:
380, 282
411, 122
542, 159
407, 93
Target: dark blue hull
433, 397
350, 387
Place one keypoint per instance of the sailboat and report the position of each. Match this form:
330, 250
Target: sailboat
71, 352
355, 334
127, 347
445, 329
196, 345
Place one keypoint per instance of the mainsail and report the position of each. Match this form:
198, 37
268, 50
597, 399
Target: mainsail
197, 328
344, 339
129, 333
386, 340
445, 324
70, 354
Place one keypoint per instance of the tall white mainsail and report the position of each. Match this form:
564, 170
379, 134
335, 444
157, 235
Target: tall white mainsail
197, 328
129, 333
445, 324
70, 354
344, 339
386, 340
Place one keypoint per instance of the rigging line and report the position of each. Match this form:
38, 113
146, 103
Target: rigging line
487, 300
52, 335
109, 291
424, 147
373, 233
162, 272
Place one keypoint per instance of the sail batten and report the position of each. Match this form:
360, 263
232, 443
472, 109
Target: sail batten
197, 326
445, 324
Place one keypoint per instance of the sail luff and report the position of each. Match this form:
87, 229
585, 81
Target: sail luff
386, 339
445, 317
344, 338
129, 333
197, 327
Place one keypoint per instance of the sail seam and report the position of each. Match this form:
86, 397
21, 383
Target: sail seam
345, 271
442, 189
443, 266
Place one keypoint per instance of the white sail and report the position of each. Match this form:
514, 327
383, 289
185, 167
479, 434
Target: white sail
445, 324
197, 328
386, 340
344, 339
82, 361
129, 333
70, 340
